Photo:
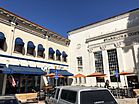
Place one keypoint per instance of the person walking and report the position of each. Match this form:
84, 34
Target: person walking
107, 84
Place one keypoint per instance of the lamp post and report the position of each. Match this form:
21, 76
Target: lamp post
56, 74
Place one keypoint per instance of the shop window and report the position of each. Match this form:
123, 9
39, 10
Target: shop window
19, 45
2, 41
41, 50
58, 55
113, 65
30, 48
64, 56
51, 53
98, 62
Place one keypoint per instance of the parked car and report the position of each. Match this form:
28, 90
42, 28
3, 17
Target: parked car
11, 99
81, 95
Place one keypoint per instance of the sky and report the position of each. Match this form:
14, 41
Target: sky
61, 16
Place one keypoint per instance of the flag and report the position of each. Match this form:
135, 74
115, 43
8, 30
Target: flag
12, 80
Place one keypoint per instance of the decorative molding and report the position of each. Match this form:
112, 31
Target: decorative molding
33, 60
117, 45
78, 46
90, 50
122, 33
30, 27
103, 47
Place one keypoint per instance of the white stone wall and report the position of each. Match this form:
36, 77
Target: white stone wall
11, 33
113, 33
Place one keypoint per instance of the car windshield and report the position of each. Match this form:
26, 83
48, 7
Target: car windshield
97, 97
8, 101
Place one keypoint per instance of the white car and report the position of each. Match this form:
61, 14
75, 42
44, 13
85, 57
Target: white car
81, 95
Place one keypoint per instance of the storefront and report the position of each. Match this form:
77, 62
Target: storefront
20, 79
18, 83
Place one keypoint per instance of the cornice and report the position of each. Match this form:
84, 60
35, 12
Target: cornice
23, 24
128, 30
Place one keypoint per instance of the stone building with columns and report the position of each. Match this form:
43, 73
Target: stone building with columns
111, 47
27, 52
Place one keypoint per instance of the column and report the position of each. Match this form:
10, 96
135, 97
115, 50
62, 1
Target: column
121, 65
4, 84
91, 80
41, 82
91, 62
105, 63
136, 58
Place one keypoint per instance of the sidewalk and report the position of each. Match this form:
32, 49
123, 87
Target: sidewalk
127, 101
40, 102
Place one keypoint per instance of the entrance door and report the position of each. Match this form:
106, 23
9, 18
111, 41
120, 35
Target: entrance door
133, 81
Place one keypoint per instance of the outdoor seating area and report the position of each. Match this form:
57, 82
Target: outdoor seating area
27, 97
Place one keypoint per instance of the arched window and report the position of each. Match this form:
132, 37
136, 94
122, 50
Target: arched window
58, 55
64, 56
41, 50
30, 48
19, 45
51, 53
2, 40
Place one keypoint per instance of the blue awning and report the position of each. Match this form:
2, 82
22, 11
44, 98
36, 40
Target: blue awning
2, 37
51, 51
26, 70
19, 41
58, 52
40, 47
30, 45
5, 70
61, 72
64, 54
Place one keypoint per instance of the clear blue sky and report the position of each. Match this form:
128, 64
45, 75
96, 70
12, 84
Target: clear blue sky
62, 16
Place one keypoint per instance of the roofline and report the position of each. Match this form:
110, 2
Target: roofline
30, 21
102, 20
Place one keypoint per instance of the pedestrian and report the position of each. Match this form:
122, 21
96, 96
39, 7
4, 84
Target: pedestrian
107, 84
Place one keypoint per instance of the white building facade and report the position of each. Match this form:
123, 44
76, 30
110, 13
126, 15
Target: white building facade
26, 51
110, 46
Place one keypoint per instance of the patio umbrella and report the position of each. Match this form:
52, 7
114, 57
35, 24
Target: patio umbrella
79, 75
125, 73
97, 74
60, 76
50, 75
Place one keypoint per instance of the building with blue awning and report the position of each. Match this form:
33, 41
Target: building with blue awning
27, 52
